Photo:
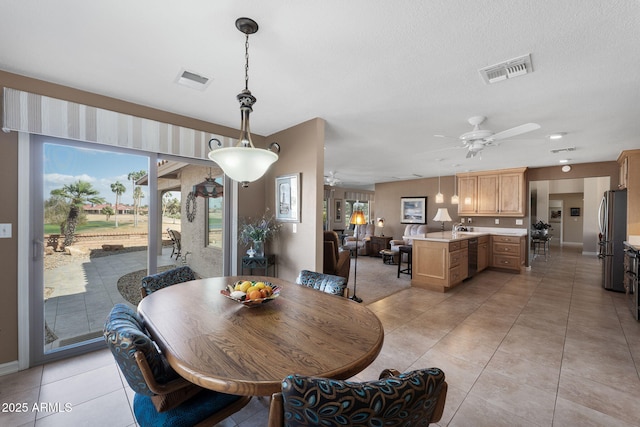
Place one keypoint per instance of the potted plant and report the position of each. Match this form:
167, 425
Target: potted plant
257, 232
540, 228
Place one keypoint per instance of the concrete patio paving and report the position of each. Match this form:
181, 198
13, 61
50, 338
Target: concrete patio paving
81, 294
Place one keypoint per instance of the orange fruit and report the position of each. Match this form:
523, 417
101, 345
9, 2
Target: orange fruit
254, 295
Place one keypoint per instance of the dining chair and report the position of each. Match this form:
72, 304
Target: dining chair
176, 241
335, 285
154, 282
162, 397
413, 398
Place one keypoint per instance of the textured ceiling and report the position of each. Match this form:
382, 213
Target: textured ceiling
386, 76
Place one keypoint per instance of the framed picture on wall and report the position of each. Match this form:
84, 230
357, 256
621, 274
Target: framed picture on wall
288, 198
413, 210
575, 211
337, 210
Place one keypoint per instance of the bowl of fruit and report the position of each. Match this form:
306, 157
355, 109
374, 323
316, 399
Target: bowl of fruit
251, 293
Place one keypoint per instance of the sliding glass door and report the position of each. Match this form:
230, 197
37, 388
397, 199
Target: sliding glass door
90, 233
102, 218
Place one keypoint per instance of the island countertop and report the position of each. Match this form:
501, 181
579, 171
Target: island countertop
449, 236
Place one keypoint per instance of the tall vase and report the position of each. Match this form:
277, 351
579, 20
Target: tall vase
258, 246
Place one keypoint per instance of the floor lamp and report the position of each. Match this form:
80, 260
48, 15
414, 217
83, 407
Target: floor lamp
357, 218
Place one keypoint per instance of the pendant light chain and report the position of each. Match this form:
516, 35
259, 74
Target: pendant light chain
246, 65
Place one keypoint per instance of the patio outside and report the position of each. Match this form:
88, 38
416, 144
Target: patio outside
81, 283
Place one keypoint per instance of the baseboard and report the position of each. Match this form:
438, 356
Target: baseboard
9, 368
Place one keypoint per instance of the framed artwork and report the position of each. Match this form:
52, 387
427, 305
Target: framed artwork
575, 211
413, 210
337, 210
288, 198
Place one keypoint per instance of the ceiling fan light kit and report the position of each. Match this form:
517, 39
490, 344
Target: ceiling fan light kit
477, 139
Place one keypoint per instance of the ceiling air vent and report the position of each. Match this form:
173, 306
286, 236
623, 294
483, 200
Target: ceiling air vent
507, 70
192, 80
560, 150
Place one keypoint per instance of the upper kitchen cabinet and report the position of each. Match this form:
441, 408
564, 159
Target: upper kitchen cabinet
629, 162
493, 193
467, 190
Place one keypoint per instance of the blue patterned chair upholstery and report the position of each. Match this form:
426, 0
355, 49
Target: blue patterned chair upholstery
328, 283
414, 398
162, 397
157, 281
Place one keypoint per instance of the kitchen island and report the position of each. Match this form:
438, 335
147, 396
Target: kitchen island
441, 260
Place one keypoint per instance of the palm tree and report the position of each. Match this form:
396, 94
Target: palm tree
133, 177
77, 194
119, 189
138, 195
107, 211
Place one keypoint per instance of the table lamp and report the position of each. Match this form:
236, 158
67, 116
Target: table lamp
442, 215
381, 225
357, 218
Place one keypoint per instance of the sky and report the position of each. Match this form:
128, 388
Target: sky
66, 165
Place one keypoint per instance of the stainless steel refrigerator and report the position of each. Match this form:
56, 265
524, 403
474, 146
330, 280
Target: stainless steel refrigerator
612, 220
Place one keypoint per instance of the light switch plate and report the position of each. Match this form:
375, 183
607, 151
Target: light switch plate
295, 228
5, 231
518, 222
497, 221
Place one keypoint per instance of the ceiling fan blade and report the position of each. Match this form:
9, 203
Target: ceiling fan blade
518, 130
470, 154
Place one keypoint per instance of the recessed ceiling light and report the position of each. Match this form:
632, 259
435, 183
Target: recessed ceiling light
566, 168
557, 135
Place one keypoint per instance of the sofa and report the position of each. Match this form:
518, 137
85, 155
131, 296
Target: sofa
336, 261
360, 239
411, 231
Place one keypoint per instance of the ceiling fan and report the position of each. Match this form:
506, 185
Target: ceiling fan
477, 139
331, 179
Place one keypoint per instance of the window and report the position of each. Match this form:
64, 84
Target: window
349, 207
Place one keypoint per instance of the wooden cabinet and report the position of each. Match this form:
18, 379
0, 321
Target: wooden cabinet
629, 162
483, 252
623, 161
439, 265
493, 193
378, 243
467, 190
507, 252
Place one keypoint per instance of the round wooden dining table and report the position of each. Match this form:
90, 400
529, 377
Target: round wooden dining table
221, 345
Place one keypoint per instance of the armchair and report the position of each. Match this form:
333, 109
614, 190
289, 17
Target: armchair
158, 281
161, 397
336, 261
360, 239
414, 398
411, 231
328, 283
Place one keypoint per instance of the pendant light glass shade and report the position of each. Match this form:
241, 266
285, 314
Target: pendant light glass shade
439, 196
455, 199
243, 164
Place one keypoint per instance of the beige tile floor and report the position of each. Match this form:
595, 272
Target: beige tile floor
548, 347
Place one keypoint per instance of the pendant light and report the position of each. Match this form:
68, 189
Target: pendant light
244, 162
455, 199
439, 196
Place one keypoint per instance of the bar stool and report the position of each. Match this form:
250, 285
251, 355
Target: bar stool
406, 249
541, 244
